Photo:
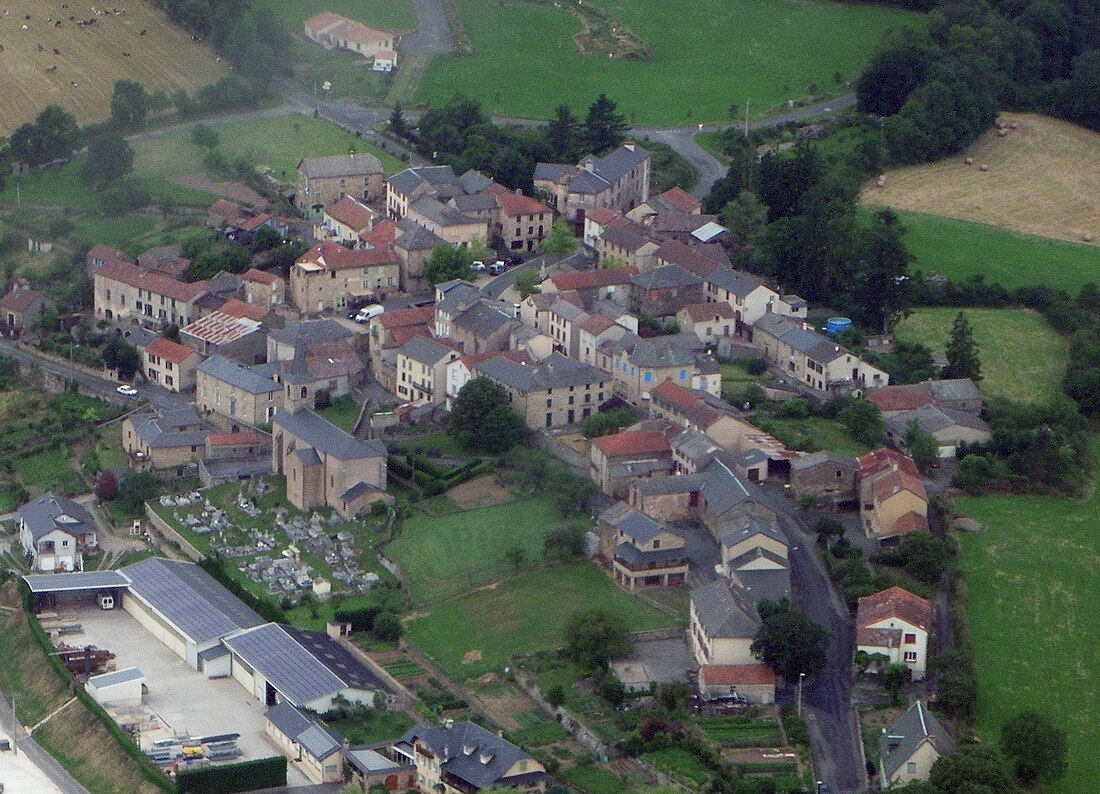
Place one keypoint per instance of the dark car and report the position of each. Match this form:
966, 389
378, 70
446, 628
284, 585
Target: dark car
513, 260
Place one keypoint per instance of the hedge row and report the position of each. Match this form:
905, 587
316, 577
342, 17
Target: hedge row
228, 778
264, 608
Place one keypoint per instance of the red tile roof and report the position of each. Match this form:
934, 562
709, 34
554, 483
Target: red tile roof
883, 459
381, 236
895, 482
351, 213
260, 276
169, 350
701, 312
339, 27
332, 256
404, 333
19, 300
681, 200
227, 209
734, 674
910, 522
514, 204
232, 439
594, 279
899, 398
252, 222
602, 216
633, 442
238, 308
597, 324
894, 602
518, 356
419, 315
675, 395
106, 253
157, 283
173, 266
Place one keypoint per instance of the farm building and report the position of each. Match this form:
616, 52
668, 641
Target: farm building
315, 749
332, 30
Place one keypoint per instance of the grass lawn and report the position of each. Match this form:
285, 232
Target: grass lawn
767, 51
372, 726
679, 764
109, 447
50, 470
521, 615
441, 442
343, 413
537, 730
960, 250
1031, 581
444, 555
711, 141
812, 434
738, 731
1022, 357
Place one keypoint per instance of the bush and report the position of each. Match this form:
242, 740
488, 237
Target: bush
106, 486
228, 778
794, 409
387, 627
755, 366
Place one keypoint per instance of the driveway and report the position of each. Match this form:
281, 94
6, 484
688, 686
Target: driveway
433, 33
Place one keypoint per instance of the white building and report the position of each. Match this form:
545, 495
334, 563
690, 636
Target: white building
896, 624
54, 532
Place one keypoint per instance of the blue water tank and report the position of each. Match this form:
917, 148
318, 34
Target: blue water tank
835, 325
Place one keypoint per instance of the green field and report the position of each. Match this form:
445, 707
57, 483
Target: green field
707, 57
443, 555
1031, 581
813, 433
49, 471
523, 614
678, 764
343, 413
961, 250
738, 731
1022, 357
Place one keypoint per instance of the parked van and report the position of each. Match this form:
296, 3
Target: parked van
496, 268
368, 313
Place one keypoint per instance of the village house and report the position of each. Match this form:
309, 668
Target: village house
168, 439
308, 337
328, 277
263, 288
825, 475
893, 500
754, 555
460, 371
626, 246
644, 553
232, 332
596, 223
171, 365
673, 200
958, 394
127, 292
813, 361
620, 458
334, 31
100, 254
326, 467
688, 228
597, 331
949, 427
422, 370
722, 625
663, 291
896, 625
911, 746
562, 322
486, 326
698, 258
449, 223
435, 181
611, 284
55, 532
638, 365
413, 245
708, 321
462, 758
387, 332
325, 180
345, 222
753, 682
241, 396
23, 307
556, 391
243, 230
749, 297
312, 747
618, 181
521, 221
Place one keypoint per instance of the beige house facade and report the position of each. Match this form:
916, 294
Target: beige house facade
326, 180
171, 365
329, 277
241, 396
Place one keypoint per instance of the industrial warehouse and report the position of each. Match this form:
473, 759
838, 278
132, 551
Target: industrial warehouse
207, 691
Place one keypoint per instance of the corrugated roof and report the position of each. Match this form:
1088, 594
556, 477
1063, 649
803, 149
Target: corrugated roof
71, 582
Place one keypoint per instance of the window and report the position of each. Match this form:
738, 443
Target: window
648, 377
910, 656
549, 420
911, 768
656, 544
683, 374
910, 639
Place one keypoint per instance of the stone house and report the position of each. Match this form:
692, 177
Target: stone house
413, 245
556, 391
435, 181
618, 181
521, 221
815, 362
593, 285
644, 553
708, 321
618, 459
461, 371
170, 439
326, 467
171, 365
896, 624
626, 246
329, 277
749, 297
23, 307
127, 292
596, 331
422, 370
949, 427
449, 223
663, 291
241, 396
486, 326
263, 288
673, 200
911, 745
229, 333
325, 180
345, 222
825, 475
638, 365
387, 332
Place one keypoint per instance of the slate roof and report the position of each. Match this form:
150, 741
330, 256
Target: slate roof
752, 529
953, 389
721, 613
355, 164
464, 745
425, 351
313, 737
310, 332
933, 419
327, 437
415, 237
189, 598
410, 179
822, 458
49, 512
247, 379
483, 318
641, 528
441, 213
907, 733
627, 238
675, 350
180, 427
552, 372
733, 281
637, 558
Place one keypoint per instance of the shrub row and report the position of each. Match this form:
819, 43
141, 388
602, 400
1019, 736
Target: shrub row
228, 778
264, 608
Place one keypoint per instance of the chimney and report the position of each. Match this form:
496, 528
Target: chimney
629, 145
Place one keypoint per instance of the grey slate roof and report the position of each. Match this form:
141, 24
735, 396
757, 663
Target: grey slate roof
721, 613
358, 490
315, 739
635, 557
48, 512
415, 237
357, 164
459, 295
908, 732
773, 585
616, 164
694, 446
310, 332
732, 280
327, 437
425, 351
809, 343
79, 580
933, 419
308, 456
441, 213
552, 372
171, 429
640, 528
190, 598
665, 277
474, 203
953, 389
117, 677
750, 457
722, 489
823, 457
751, 529
465, 744
250, 379
474, 181
676, 350
483, 319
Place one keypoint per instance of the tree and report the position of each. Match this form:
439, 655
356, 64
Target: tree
206, 137
446, 262
123, 357
53, 136
129, 105
482, 420
1036, 747
970, 765
555, 695
745, 216
516, 557
564, 135
265, 239
828, 527
106, 486
109, 159
562, 544
560, 240
791, 643
892, 677
963, 355
525, 282
921, 445
864, 421
397, 122
604, 128
925, 556
135, 490
890, 77
387, 627
882, 288
593, 637
501, 429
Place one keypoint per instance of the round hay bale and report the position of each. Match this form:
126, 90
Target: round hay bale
966, 525
1087, 238
1012, 125
1002, 133
983, 167
970, 161
881, 181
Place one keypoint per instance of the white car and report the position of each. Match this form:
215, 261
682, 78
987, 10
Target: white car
127, 391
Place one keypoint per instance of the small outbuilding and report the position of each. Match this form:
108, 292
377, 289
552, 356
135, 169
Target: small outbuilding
120, 688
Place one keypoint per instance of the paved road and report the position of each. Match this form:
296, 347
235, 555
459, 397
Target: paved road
43, 760
826, 698
433, 33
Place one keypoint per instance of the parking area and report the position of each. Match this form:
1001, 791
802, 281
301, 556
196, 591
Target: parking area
186, 702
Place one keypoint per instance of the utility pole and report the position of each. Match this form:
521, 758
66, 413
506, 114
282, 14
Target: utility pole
800, 677
14, 728
747, 118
